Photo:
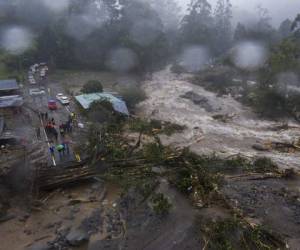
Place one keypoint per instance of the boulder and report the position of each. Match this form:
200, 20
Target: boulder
77, 237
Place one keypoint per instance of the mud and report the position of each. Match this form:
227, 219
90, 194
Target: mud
205, 135
273, 203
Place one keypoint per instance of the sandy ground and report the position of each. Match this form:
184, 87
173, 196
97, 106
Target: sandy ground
56, 214
205, 134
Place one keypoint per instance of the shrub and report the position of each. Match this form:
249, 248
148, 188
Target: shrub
133, 96
264, 164
269, 102
92, 86
101, 111
161, 204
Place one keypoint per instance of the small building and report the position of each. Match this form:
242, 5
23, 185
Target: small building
8, 87
86, 100
10, 99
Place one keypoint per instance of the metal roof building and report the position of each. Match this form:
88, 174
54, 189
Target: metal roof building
86, 100
7, 85
11, 101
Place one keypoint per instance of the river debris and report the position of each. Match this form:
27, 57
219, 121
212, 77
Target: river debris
285, 147
113, 155
224, 117
235, 233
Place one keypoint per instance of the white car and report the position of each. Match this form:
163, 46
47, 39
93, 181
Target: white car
64, 100
36, 92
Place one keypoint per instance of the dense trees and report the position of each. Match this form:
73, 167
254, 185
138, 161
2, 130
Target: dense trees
278, 92
223, 32
285, 29
129, 35
260, 30
87, 33
92, 86
205, 27
197, 25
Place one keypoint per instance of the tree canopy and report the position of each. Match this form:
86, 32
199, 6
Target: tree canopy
92, 86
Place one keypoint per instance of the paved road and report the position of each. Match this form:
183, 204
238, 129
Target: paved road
40, 103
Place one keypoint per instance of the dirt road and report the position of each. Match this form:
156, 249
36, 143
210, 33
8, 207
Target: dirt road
204, 134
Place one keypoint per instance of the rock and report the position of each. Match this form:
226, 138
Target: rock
75, 209
7, 217
50, 225
92, 199
39, 246
260, 147
56, 224
24, 217
27, 231
77, 237
71, 216
199, 100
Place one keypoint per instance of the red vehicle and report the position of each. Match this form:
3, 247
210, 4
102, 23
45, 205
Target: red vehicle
52, 105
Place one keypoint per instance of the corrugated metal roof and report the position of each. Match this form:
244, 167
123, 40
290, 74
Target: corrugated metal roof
86, 100
11, 101
9, 84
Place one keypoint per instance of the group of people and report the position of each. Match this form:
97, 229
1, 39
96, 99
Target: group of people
53, 130
65, 128
62, 149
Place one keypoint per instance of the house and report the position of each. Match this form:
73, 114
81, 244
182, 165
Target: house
10, 100
8, 87
86, 100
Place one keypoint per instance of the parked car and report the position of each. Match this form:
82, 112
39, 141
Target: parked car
36, 92
64, 100
52, 105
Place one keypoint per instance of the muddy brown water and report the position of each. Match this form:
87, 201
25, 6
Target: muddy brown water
205, 135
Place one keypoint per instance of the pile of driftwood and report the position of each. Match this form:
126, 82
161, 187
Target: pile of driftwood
59, 176
224, 117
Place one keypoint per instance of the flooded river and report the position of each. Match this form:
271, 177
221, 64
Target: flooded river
204, 134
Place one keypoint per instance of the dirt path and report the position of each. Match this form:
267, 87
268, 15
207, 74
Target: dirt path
174, 232
205, 134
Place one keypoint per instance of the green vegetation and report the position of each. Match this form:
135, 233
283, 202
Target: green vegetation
133, 96
234, 233
264, 165
161, 204
92, 86
198, 177
154, 127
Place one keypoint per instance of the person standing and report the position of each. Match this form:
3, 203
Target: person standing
63, 149
61, 131
51, 149
59, 150
55, 134
66, 145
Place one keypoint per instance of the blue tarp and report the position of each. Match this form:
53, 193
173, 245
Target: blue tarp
86, 100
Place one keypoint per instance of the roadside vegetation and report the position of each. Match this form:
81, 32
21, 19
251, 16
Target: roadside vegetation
132, 163
234, 233
92, 86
